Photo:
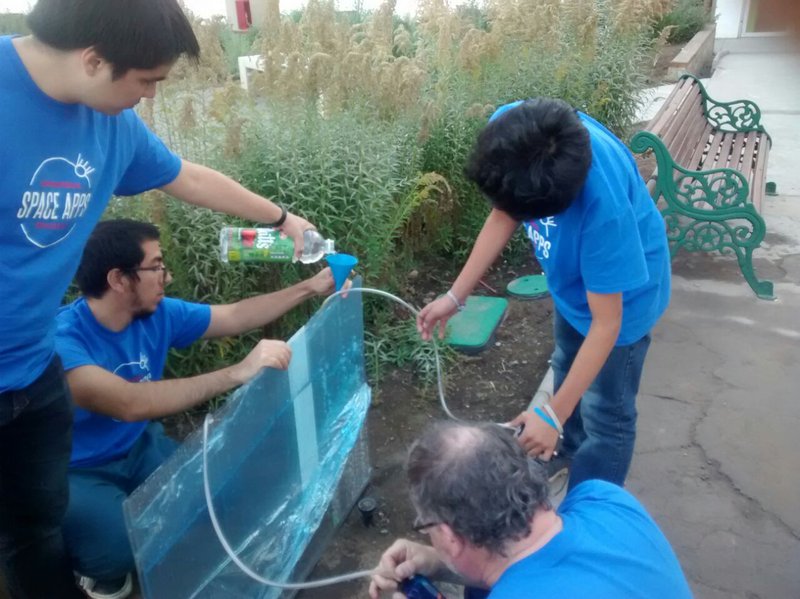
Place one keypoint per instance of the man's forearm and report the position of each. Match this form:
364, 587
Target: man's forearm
164, 398
100, 391
248, 314
589, 360
492, 239
205, 187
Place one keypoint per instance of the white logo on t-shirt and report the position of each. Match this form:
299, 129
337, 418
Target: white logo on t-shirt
541, 243
137, 371
58, 194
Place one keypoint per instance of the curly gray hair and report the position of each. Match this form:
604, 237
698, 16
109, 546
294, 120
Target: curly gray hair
477, 479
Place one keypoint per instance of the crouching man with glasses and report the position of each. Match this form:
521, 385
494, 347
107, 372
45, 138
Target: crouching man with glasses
485, 507
114, 342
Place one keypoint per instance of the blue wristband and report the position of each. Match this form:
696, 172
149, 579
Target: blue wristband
541, 414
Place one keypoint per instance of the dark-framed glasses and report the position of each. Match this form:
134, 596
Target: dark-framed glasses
423, 526
160, 269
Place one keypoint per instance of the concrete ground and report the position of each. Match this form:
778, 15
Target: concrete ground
718, 446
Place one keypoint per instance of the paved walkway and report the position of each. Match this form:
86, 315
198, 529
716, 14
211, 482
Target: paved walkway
719, 436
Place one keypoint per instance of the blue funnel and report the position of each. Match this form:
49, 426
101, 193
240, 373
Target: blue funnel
341, 265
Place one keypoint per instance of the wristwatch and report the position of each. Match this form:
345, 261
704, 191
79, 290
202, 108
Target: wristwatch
281, 220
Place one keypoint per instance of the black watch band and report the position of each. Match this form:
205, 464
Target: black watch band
281, 220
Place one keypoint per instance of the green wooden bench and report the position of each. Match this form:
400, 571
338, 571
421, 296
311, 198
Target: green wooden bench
710, 174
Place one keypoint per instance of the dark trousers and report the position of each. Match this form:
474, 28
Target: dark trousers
35, 445
599, 435
94, 527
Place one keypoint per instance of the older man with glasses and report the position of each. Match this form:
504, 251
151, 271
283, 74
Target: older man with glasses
485, 506
114, 342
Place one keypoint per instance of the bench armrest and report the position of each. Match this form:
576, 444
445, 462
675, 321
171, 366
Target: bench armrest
717, 202
695, 191
739, 115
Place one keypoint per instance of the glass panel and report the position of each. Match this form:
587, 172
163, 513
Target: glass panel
277, 451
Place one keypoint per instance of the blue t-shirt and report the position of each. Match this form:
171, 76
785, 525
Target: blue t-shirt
59, 165
609, 548
611, 239
137, 354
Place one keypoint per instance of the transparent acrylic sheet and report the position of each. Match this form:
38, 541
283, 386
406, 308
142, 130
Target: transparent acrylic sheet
276, 453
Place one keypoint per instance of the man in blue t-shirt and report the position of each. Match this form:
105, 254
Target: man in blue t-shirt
113, 342
485, 506
69, 141
602, 245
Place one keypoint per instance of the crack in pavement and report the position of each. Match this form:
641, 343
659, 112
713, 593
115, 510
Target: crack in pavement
670, 398
716, 468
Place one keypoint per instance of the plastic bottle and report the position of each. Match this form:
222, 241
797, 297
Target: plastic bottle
419, 587
264, 244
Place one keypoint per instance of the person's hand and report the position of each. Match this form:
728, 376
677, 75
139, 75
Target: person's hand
268, 353
322, 283
438, 312
538, 438
294, 226
400, 561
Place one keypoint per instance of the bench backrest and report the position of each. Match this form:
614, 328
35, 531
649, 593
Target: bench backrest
681, 123
697, 141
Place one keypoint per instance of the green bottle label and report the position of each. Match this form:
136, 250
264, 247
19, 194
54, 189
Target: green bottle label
257, 245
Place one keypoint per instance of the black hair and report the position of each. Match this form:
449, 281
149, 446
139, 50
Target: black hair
112, 244
129, 34
476, 478
532, 160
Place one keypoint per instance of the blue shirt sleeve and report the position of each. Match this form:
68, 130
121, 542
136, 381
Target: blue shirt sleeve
189, 321
153, 164
72, 351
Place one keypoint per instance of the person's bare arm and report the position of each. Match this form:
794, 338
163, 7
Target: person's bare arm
494, 236
98, 390
539, 438
247, 314
205, 187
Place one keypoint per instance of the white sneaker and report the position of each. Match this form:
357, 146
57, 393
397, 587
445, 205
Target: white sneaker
100, 589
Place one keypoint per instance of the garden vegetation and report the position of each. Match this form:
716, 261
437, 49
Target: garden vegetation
361, 123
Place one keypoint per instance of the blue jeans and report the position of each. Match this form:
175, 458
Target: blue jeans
94, 527
35, 445
600, 434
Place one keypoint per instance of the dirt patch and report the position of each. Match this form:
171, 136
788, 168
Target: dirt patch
495, 385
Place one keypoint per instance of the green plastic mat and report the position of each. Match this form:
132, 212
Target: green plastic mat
528, 287
473, 329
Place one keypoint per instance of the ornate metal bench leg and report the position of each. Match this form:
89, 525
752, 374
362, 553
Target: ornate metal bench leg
763, 289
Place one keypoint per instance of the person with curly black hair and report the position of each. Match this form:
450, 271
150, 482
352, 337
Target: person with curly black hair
602, 245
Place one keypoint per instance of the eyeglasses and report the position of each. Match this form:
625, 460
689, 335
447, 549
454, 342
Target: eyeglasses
161, 268
421, 527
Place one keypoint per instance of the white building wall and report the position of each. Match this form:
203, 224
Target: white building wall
729, 17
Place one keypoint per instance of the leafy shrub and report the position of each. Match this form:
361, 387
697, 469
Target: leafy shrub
685, 19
